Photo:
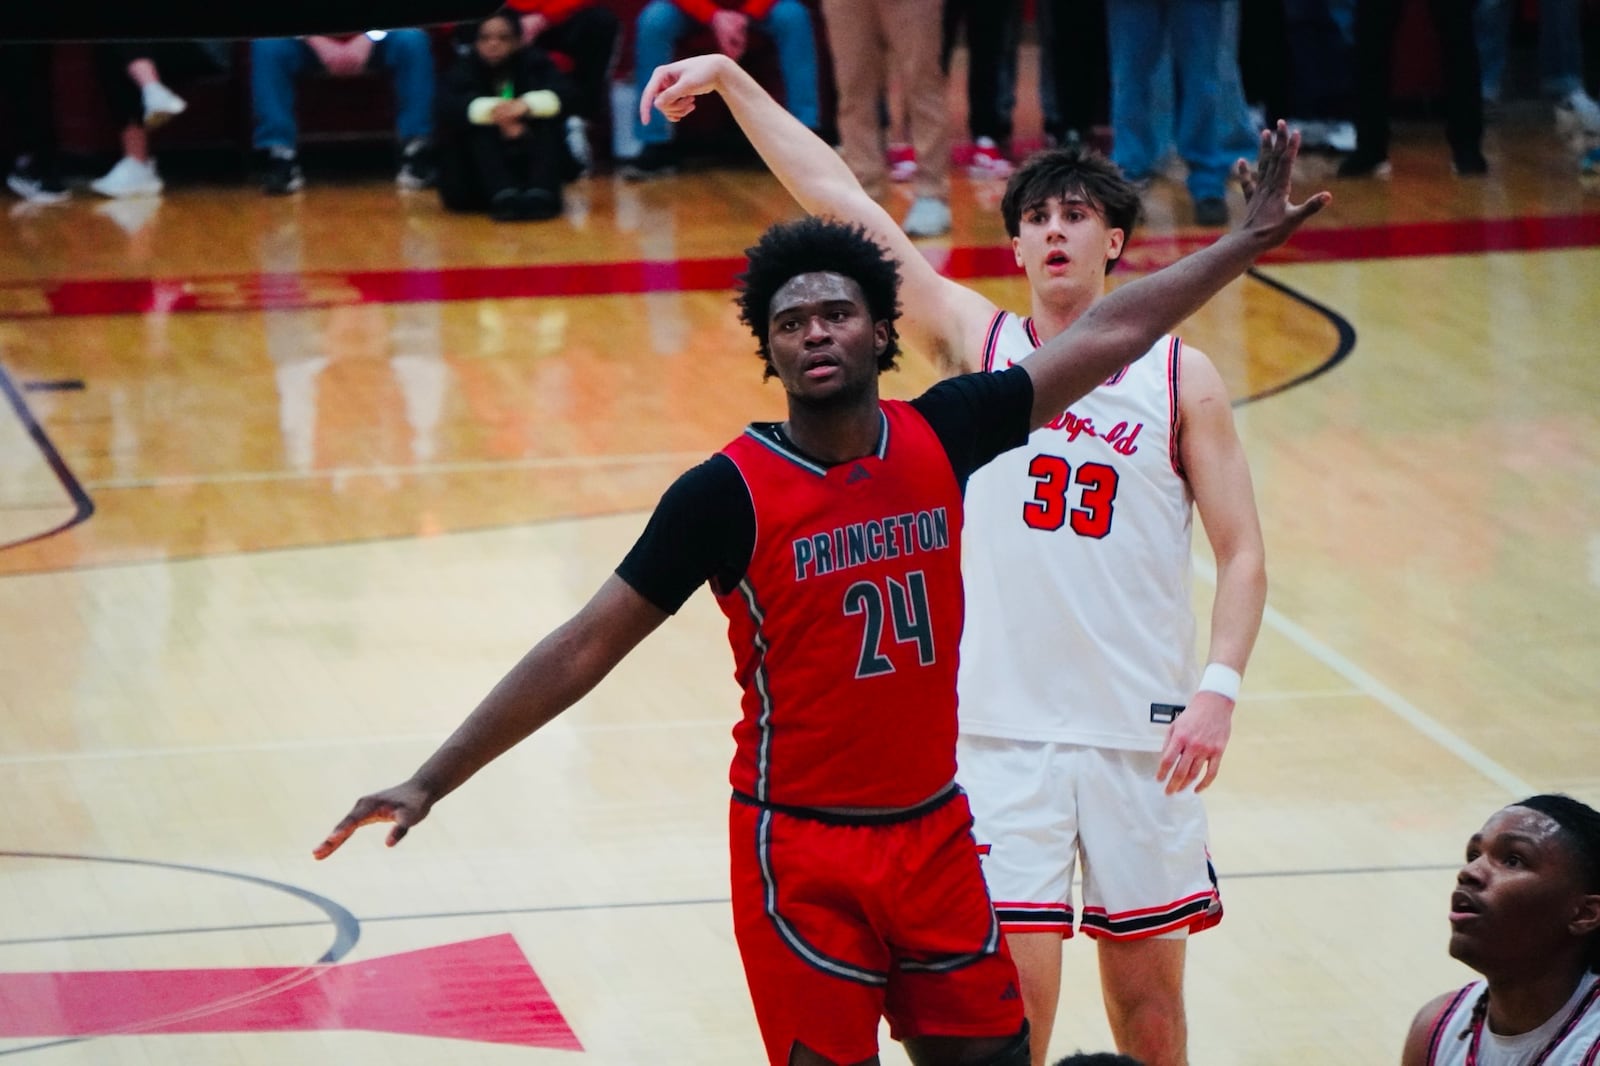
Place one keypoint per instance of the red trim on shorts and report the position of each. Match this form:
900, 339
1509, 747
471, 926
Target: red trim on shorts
1035, 918
1195, 913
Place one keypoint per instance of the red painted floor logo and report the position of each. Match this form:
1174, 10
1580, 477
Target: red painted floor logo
482, 990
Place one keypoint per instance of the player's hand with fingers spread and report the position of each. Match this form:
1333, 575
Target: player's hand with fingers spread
672, 88
1195, 743
1269, 213
405, 805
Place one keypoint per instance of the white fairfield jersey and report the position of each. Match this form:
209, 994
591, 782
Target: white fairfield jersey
1570, 1038
1077, 566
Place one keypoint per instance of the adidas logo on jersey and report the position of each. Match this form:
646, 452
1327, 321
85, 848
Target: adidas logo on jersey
857, 473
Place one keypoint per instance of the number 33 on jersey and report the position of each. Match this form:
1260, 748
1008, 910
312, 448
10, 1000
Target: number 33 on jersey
1085, 540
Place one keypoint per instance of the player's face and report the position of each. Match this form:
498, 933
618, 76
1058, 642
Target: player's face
824, 343
1517, 896
1064, 240
497, 39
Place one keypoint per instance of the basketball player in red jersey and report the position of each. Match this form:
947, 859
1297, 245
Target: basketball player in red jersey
832, 542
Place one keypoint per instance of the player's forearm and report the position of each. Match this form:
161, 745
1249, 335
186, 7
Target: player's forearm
551, 677
1236, 611
1121, 327
807, 166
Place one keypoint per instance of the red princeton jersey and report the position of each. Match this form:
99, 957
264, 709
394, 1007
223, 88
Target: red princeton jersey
847, 625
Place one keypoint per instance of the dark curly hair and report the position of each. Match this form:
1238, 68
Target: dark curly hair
814, 245
1580, 829
1073, 169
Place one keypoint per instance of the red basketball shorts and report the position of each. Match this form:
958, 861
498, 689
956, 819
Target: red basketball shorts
842, 922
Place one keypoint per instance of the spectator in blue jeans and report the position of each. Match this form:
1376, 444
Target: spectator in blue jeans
663, 22
1210, 123
276, 62
1560, 59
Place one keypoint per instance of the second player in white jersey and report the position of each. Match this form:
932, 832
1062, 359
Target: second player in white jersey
1080, 540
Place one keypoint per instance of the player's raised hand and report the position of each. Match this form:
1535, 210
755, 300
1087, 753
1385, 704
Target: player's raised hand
1269, 212
405, 805
672, 88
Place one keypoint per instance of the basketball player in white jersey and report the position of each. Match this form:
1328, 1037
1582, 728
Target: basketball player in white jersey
1086, 728
1526, 915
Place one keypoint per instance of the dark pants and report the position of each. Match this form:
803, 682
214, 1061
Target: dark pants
1377, 22
1321, 60
475, 162
992, 28
589, 39
26, 95
1075, 70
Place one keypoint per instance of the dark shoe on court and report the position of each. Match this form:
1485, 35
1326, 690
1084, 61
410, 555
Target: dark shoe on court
539, 203
1359, 164
283, 175
654, 161
506, 205
1469, 163
1211, 211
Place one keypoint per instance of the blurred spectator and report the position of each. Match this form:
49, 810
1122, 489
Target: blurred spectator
132, 76
1377, 22
276, 62
586, 33
1210, 124
1074, 71
873, 40
663, 22
1321, 72
25, 89
1560, 59
501, 127
993, 28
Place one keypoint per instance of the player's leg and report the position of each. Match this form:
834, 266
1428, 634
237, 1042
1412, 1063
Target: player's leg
953, 995
1142, 982
1147, 883
816, 970
1025, 822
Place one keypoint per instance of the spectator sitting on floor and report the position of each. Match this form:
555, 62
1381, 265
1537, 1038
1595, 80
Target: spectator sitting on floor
585, 32
502, 146
275, 62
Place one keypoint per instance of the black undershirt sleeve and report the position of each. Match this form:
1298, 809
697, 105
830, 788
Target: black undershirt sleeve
978, 416
704, 529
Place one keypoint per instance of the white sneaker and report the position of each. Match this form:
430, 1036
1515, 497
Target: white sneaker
129, 178
1577, 113
1342, 136
161, 105
928, 217
578, 143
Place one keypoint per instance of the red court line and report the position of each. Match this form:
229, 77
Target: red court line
269, 292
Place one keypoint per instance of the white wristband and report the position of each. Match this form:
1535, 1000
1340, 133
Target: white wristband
1223, 680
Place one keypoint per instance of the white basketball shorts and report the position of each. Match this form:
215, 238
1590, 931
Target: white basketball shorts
1038, 807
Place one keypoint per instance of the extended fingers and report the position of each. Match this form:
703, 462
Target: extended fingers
366, 812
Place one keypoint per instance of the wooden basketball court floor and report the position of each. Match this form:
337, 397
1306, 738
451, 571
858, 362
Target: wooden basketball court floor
285, 485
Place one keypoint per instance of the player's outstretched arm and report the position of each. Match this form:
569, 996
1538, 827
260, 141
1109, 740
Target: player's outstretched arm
939, 313
1214, 462
1120, 328
553, 676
